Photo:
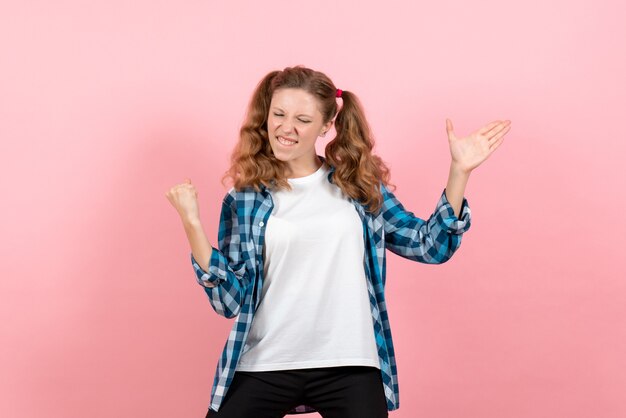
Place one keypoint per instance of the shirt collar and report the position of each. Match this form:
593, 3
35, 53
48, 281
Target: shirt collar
330, 174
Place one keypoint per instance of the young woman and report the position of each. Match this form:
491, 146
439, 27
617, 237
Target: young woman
300, 260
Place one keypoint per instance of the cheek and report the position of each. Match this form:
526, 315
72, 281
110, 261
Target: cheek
310, 132
271, 125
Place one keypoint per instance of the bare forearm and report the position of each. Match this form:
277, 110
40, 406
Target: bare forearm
455, 188
200, 247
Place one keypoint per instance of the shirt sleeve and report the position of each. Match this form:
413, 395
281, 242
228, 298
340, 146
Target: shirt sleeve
225, 278
431, 241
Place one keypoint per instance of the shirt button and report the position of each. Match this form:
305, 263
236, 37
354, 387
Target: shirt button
261, 223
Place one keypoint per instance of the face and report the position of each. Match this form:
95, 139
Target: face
294, 123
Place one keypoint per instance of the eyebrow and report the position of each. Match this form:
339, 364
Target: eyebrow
301, 114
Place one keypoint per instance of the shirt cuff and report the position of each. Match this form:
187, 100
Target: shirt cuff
452, 223
215, 275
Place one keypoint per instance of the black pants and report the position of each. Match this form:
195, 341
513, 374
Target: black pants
336, 392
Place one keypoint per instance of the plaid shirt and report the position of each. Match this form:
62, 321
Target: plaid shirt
236, 269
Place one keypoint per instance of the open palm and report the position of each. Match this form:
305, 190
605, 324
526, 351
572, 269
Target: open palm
469, 152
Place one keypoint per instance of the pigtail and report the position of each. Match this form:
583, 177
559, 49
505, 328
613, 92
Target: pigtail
357, 170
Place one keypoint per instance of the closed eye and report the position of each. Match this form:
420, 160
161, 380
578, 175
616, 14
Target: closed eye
301, 120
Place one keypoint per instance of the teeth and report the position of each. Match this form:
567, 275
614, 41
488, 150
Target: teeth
285, 141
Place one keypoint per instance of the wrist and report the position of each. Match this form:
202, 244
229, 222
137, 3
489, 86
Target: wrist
458, 170
190, 222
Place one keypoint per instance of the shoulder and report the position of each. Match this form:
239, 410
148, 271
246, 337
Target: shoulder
386, 193
230, 197
233, 196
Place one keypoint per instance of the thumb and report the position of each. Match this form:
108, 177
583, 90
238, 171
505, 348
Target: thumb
449, 128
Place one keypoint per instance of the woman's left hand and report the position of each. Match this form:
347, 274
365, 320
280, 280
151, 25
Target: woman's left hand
469, 152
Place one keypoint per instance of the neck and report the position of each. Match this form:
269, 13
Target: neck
303, 170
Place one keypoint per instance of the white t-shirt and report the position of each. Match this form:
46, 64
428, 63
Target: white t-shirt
314, 309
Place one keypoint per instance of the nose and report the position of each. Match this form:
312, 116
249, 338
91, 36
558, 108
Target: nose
287, 127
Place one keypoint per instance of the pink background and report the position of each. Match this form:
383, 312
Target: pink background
106, 105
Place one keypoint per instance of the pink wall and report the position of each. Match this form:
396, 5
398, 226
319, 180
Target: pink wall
106, 105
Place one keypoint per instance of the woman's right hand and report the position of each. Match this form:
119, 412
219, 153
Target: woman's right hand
184, 198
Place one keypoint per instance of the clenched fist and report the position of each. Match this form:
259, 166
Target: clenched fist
184, 198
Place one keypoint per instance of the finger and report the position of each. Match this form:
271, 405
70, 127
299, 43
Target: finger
499, 134
187, 186
487, 128
502, 125
450, 130
496, 134
494, 146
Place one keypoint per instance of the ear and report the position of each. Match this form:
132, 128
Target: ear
326, 127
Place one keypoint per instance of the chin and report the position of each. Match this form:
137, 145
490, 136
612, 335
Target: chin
282, 157
281, 154
278, 155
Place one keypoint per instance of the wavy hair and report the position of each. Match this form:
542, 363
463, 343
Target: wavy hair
358, 172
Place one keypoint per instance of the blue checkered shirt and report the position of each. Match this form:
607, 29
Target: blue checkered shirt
236, 269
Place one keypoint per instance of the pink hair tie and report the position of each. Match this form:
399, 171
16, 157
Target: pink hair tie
339, 93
